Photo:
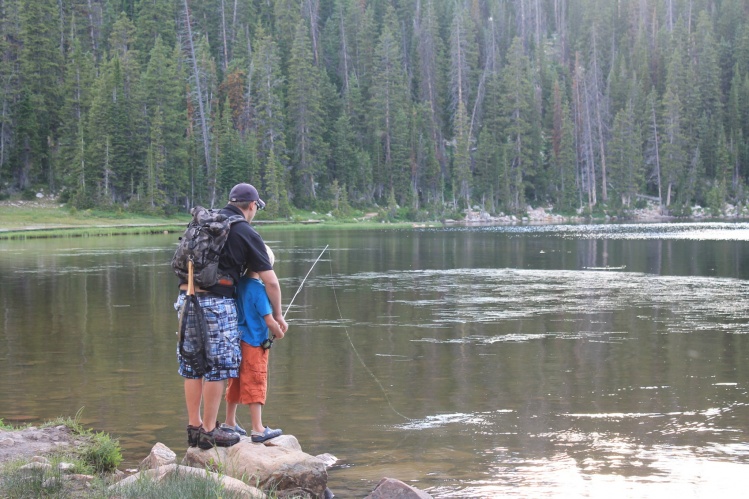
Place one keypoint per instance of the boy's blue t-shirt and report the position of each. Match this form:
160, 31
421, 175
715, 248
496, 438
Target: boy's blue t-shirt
252, 306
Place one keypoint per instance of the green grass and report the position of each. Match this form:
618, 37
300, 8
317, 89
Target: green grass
52, 220
176, 486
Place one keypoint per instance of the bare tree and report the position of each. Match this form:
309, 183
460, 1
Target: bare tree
200, 97
426, 32
344, 55
312, 10
657, 157
223, 34
600, 109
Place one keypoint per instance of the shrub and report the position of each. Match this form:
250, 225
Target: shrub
28, 194
102, 453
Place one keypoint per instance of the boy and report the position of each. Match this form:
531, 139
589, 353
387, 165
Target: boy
255, 320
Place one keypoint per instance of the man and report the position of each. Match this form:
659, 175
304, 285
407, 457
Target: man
244, 248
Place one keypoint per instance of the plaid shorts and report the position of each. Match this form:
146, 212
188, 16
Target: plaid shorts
223, 338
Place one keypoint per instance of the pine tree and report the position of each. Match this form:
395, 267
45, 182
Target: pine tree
462, 157
710, 95
268, 87
489, 147
79, 79
565, 192
162, 87
517, 114
40, 76
625, 168
154, 20
306, 117
344, 150
673, 147
388, 95
156, 162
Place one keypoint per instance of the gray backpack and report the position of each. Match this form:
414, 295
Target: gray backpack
202, 243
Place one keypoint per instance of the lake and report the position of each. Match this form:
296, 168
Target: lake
521, 361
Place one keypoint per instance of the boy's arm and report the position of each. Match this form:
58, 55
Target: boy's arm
273, 326
273, 289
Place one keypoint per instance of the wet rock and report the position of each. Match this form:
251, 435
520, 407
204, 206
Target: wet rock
390, 488
327, 459
160, 455
276, 464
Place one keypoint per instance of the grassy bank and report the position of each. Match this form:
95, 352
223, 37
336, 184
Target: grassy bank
85, 467
46, 220
25, 220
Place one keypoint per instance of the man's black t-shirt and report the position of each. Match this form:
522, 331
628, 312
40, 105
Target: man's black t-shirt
244, 248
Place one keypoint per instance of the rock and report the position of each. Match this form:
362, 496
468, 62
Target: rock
36, 466
7, 442
390, 488
327, 459
51, 482
39, 459
288, 441
160, 455
66, 467
78, 477
270, 465
229, 484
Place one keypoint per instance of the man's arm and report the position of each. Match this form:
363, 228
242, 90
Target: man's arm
273, 289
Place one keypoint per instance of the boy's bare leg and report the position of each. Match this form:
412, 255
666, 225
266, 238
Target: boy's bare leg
231, 414
256, 413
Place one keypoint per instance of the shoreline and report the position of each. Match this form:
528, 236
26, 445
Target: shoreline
41, 219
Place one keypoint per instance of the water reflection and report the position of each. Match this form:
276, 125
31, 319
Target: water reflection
544, 361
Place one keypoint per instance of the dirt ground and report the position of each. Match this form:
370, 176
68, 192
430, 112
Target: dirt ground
32, 441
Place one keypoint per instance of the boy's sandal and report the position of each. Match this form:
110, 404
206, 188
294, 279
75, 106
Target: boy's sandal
267, 434
234, 429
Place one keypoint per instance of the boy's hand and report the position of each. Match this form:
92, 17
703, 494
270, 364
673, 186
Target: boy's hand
275, 328
282, 324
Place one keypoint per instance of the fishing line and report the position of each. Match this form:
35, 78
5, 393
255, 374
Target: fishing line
345, 329
287, 311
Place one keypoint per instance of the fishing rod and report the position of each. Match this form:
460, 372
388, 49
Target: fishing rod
268, 342
303, 280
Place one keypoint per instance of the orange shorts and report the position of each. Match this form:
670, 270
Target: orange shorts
251, 387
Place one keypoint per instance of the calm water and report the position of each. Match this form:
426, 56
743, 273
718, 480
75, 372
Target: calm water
542, 361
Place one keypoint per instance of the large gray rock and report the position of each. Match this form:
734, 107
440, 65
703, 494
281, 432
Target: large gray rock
278, 464
390, 488
230, 484
160, 455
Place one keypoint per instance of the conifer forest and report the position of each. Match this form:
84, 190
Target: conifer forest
430, 105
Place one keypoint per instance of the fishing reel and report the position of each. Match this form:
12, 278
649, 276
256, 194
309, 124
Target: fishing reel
266, 344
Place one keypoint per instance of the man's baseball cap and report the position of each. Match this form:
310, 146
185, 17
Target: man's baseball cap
241, 193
